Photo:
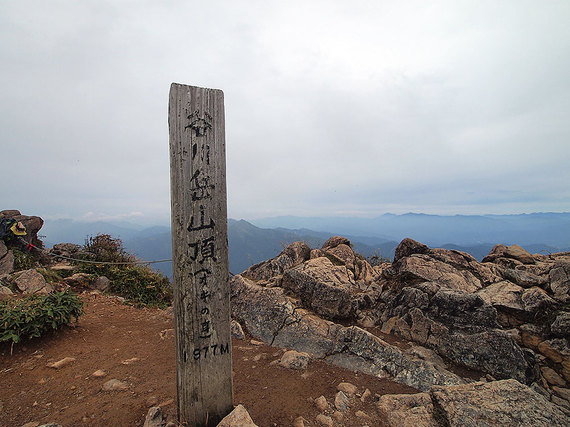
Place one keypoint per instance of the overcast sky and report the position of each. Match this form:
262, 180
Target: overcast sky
332, 107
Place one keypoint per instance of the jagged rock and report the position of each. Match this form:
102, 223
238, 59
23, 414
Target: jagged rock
271, 316
6, 261
493, 351
67, 249
321, 403
334, 241
341, 401
316, 253
453, 309
341, 254
459, 326
556, 350
523, 278
531, 335
3, 249
506, 402
347, 388
5, 292
426, 354
102, 283
561, 325
294, 360
365, 273
422, 268
236, 330
563, 404
409, 247
513, 252
485, 273
323, 287
559, 278
407, 410
536, 301
552, 377
239, 417
564, 393
503, 295
324, 420
292, 255
338, 416
154, 418
32, 282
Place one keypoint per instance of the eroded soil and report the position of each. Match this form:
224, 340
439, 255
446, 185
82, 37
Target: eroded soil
136, 346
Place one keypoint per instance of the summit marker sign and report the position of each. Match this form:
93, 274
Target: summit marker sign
200, 254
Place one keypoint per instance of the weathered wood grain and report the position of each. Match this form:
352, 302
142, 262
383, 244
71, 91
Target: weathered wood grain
200, 254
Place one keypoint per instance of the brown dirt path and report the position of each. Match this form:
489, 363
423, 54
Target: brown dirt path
136, 346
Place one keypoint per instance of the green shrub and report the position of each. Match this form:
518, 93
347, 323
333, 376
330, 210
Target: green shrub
31, 316
50, 275
137, 283
140, 285
22, 260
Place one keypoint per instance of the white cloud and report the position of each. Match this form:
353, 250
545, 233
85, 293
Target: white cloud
367, 107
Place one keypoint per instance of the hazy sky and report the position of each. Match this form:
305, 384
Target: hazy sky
332, 107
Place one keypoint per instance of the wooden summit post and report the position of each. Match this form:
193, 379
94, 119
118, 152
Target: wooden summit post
200, 254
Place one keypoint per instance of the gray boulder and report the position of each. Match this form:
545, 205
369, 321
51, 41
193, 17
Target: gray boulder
505, 402
269, 315
292, 255
514, 252
323, 287
559, 278
239, 417
423, 268
6, 260
32, 282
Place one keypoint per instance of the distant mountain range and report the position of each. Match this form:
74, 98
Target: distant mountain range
252, 243
466, 230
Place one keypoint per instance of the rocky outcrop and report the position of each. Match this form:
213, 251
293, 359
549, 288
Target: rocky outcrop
514, 252
323, 287
291, 256
559, 278
504, 318
6, 259
506, 402
239, 417
499, 316
33, 225
270, 315
31, 282
496, 403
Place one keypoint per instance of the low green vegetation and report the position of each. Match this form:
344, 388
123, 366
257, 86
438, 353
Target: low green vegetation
139, 284
31, 316
23, 260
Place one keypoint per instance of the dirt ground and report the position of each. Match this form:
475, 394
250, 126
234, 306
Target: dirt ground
136, 346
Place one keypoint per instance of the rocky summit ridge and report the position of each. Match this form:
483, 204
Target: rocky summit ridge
485, 342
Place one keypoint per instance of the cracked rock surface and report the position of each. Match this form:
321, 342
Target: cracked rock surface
432, 318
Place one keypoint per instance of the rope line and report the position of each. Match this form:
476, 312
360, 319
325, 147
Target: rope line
94, 262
